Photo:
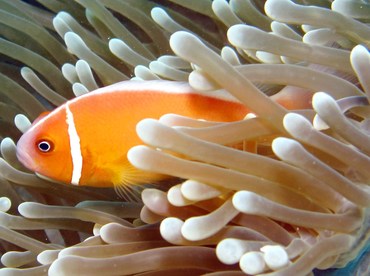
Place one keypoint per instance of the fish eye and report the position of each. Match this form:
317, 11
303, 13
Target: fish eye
44, 146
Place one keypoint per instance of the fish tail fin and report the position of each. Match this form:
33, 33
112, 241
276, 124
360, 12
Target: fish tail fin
294, 98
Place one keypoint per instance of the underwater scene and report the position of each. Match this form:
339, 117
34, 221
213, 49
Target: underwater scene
185, 137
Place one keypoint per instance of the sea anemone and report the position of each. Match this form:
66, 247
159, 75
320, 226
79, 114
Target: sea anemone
282, 192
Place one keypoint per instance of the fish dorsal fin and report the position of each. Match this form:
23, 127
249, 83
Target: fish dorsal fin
162, 86
40, 117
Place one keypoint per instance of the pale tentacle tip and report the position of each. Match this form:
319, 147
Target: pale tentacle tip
136, 156
149, 129
250, 115
296, 124
183, 43
275, 256
47, 257
158, 14
176, 198
199, 81
71, 38
234, 34
170, 229
253, 263
7, 144
5, 204
282, 146
79, 89
319, 123
321, 100
115, 44
22, 123
243, 201
229, 251
197, 191
26, 210
190, 230
359, 52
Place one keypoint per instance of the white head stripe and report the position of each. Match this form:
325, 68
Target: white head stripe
74, 141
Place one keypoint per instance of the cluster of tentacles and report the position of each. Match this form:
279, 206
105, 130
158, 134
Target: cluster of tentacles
278, 193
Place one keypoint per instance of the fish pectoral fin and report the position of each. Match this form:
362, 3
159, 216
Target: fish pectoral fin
128, 193
131, 181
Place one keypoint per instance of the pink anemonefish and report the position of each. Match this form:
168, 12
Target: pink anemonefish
85, 140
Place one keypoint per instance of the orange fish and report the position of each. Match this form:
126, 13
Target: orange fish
85, 141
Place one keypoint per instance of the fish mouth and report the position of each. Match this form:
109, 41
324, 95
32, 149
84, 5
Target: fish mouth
24, 157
